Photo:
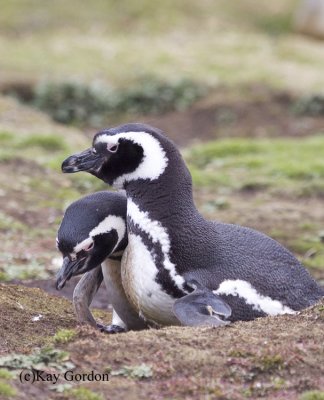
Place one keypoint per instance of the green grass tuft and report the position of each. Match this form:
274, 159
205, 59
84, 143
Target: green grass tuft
6, 390
83, 393
312, 395
6, 137
64, 336
48, 142
5, 374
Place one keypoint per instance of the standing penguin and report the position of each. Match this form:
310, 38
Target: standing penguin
92, 238
172, 249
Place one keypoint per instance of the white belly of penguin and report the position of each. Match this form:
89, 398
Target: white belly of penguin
139, 280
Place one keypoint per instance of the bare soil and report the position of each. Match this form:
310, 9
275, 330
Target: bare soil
273, 358
250, 111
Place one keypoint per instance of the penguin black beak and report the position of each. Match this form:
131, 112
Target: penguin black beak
87, 160
68, 269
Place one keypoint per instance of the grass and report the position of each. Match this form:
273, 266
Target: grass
280, 165
64, 335
83, 393
31, 146
7, 391
45, 142
312, 395
118, 42
46, 151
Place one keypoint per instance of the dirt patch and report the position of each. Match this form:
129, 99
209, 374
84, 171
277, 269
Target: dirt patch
22, 196
273, 357
255, 111
19, 306
248, 111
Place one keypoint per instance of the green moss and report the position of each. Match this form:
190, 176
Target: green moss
46, 142
315, 262
46, 357
5, 374
312, 395
307, 226
64, 335
269, 363
281, 165
83, 393
136, 372
206, 153
6, 137
6, 390
272, 362
239, 353
275, 25
303, 245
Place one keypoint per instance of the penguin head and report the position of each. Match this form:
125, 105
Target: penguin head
93, 228
123, 154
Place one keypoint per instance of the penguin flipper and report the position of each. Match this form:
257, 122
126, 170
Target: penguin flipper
201, 308
83, 294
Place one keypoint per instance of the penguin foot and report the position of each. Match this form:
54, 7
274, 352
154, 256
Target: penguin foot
201, 307
111, 329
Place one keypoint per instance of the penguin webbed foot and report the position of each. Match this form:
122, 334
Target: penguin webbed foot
110, 329
202, 307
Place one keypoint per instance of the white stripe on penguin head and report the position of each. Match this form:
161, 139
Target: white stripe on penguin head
154, 160
109, 223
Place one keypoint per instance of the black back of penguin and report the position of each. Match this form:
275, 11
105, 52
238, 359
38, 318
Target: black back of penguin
85, 214
247, 267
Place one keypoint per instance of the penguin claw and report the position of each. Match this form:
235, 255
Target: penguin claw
111, 329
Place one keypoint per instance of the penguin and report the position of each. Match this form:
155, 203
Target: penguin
91, 238
93, 232
171, 245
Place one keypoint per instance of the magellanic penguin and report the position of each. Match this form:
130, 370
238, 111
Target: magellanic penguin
92, 238
173, 249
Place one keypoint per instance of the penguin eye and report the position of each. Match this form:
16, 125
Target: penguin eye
112, 147
90, 246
